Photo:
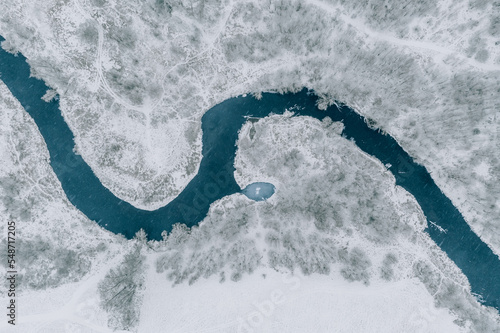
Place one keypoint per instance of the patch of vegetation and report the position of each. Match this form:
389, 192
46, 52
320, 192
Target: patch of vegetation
42, 264
120, 289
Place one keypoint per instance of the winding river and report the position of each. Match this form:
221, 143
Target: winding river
215, 178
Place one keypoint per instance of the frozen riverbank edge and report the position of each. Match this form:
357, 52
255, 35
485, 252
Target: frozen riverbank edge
129, 71
453, 134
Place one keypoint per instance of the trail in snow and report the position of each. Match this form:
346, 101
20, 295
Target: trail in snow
416, 46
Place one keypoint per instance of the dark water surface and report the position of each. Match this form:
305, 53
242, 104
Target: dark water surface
215, 178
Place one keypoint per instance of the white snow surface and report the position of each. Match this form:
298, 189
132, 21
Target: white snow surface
280, 302
134, 80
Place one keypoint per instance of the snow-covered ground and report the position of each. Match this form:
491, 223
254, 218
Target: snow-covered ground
269, 301
60, 254
134, 79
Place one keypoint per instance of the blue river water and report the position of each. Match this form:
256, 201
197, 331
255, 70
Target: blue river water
215, 178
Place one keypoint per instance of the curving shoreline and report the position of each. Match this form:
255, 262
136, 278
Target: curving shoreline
215, 178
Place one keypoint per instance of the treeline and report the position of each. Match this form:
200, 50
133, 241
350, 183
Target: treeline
120, 291
41, 264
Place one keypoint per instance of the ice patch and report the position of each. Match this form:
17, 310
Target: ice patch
259, 191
